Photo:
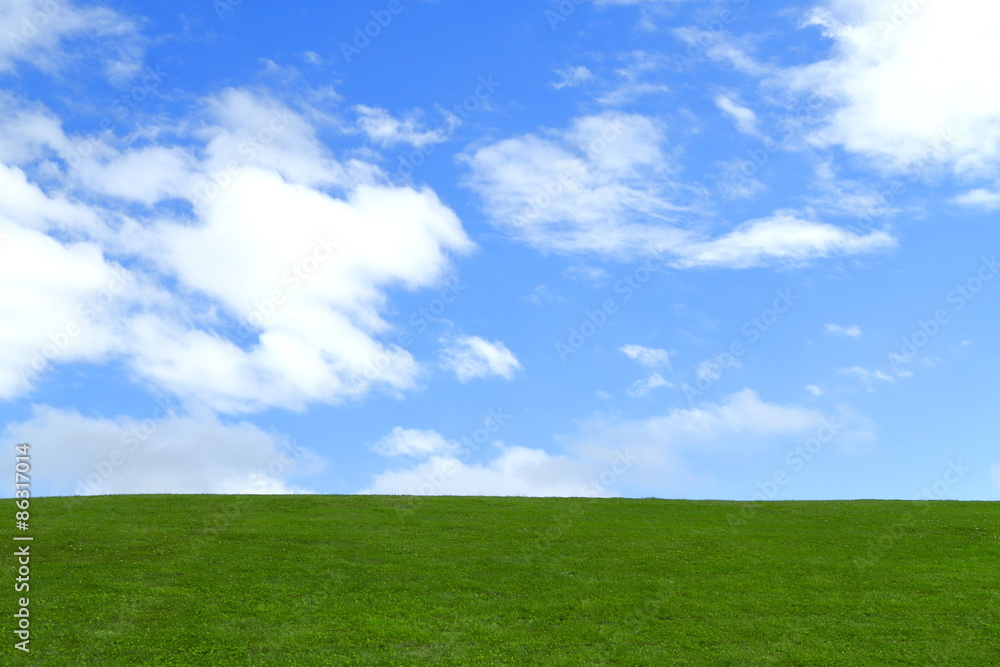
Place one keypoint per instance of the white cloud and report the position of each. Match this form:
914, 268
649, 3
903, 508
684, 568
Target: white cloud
145, 175
387, 130
814, 390
842, 196
571, 77
48, 290
633, 78
306, 270
413, 442
49, 33
472, 357
853, 331
580, 190
28, 132
983, 198
604, 186
781, 237
869, 377
719, 45
725, 425
165, 453
649, 357
278, 279
652, 454
745, 119
516, 471
666, 447
642, 387
898, 102
26, 204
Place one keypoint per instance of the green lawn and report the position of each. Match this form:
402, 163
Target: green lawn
376, 580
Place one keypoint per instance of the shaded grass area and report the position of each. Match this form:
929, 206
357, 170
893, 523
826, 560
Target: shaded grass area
376, 580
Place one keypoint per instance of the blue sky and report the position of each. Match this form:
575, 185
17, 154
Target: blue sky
591, 248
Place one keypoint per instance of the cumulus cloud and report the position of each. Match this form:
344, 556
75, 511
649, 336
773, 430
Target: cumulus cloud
48, 312
472, 357
166, 453
892, 99
280, 271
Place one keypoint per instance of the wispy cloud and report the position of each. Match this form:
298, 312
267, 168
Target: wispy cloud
386, 130
644, 386
853, 331
745, 119
649, 357
572, 77
472, 357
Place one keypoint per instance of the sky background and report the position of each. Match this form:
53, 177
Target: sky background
591, 248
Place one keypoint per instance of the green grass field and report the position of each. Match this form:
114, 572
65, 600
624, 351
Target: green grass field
375, 580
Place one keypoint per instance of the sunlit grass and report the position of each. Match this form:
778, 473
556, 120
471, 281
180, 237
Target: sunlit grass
375, 580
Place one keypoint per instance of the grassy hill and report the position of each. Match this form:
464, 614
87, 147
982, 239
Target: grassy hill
375, 580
